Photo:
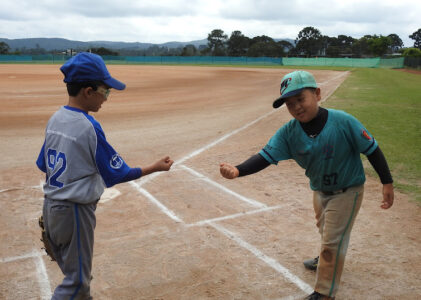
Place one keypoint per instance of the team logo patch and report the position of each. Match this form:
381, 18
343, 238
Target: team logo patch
285, 84
365, 135
116, 161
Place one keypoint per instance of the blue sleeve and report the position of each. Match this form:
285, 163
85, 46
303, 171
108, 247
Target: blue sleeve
277, 147
41, 160
133, 174
111, 166
363, 141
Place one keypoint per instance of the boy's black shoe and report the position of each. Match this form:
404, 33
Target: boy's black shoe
318, 296
311, 264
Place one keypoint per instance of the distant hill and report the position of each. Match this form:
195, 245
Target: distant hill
59, 44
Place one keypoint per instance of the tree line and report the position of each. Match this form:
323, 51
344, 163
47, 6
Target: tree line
309, 43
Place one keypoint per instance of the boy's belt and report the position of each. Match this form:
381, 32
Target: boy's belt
330, 193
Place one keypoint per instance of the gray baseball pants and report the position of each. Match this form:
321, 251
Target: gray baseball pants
70, 229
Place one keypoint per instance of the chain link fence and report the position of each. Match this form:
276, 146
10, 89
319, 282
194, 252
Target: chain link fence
228, 60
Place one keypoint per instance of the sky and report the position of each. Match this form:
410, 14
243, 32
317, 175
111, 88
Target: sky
160, 21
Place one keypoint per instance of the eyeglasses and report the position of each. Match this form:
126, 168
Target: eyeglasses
104, 92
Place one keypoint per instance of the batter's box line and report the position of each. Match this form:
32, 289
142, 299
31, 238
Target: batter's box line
42, 275
223, 188
155, 201
266, 259
234, 216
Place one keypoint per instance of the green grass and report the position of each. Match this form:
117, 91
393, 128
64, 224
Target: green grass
388, 103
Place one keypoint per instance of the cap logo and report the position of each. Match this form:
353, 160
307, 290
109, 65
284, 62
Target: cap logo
284, 84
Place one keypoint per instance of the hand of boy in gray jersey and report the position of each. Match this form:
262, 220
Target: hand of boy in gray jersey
164, 164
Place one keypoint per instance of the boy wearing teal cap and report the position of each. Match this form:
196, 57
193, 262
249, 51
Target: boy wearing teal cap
327, 143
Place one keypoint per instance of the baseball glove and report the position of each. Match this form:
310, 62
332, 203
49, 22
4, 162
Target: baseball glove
44, 239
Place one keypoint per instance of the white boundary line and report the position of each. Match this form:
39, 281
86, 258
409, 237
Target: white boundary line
42, 275
226, 190
43, 281
268, 260
247, 213
24, 256
151, 198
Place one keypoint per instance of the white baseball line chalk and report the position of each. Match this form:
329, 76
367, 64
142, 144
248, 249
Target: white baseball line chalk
221, 187
268, 260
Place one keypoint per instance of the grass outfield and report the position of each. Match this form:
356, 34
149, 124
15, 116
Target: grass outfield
388, 103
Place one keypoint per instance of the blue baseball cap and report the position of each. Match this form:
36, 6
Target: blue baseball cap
294, 83
87, 66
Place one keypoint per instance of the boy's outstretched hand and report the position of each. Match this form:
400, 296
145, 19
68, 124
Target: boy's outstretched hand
164, 164
388, 196
228, 171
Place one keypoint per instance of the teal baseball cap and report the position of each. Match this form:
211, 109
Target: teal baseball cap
87, 66
294, 83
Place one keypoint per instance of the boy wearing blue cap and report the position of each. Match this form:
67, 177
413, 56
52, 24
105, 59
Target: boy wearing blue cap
79, 163
327, 143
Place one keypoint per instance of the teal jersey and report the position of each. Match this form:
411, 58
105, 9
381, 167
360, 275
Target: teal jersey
332, 159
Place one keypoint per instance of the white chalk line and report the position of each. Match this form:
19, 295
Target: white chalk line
151, 198
331, 79
42, 275
268, 260
223, 188
234, 216
43, 280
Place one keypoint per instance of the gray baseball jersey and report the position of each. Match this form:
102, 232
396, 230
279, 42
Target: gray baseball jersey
74, 138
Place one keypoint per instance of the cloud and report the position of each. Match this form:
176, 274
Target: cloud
160, 21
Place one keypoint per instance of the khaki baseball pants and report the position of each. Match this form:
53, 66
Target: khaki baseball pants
335, 216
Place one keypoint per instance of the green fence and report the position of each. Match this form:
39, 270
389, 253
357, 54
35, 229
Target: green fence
220, 60
345, 62
413, 62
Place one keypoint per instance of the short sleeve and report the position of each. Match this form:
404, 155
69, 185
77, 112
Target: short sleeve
41, 160
277, 147
363, 141
111, 166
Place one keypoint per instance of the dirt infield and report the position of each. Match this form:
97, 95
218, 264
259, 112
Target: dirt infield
188, 233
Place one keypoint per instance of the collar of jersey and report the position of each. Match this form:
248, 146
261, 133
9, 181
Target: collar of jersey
75, 109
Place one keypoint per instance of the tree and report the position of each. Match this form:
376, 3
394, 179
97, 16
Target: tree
286, 46
4, 48
339, 46
360, 47
264, 46
238, 44
396, 42
416, 36
378, 45
189, 50
309, 41
412, 52
216, 42
103, 51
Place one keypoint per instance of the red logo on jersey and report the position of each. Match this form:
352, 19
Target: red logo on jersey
365, 134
